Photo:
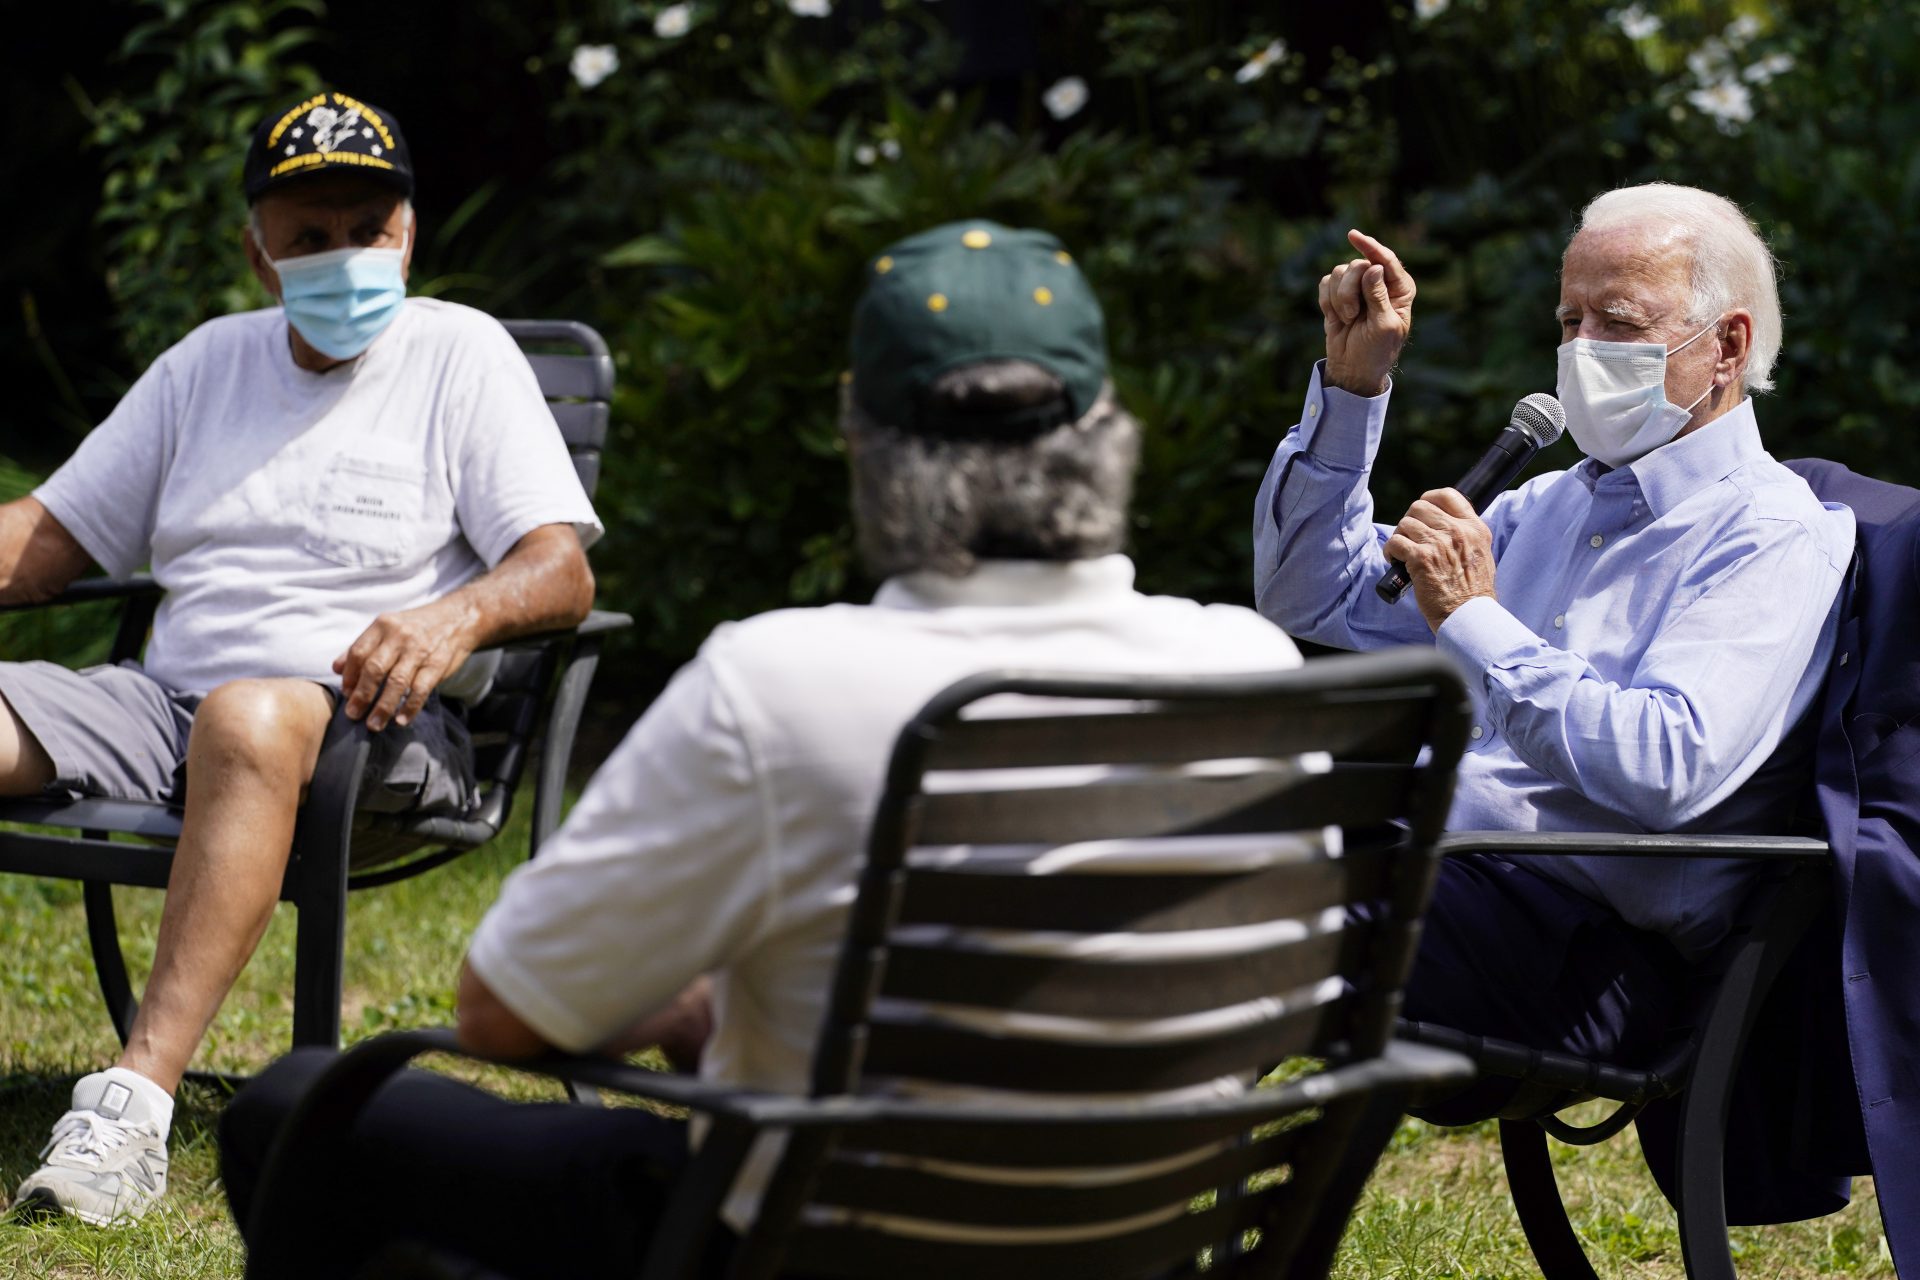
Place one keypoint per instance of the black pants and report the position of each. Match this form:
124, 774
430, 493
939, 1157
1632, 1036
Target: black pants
1511, 954
528, 1191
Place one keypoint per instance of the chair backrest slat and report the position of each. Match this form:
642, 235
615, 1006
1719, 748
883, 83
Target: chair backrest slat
866, 1250
1174, 731
1249, 796
1135, 903
1154, 988
1084, 889
914, 1189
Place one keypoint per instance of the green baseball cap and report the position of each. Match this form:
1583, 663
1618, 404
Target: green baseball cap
968, 292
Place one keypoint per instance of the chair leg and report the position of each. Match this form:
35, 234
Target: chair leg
320, 944
109, 961
317, 887
1355, 1158
556, 748
1700, 1175
1536, 1198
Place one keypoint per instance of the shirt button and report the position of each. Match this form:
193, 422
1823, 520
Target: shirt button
1595, 540
1559, 620
1478, 733
1313, 410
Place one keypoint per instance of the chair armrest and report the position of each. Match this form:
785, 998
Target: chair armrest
1530, 844
90, 589
352, 1079
597, 623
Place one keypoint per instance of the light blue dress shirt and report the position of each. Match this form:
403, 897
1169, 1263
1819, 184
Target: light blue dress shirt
1659, 629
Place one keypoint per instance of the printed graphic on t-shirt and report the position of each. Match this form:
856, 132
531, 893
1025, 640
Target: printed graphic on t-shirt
368, 511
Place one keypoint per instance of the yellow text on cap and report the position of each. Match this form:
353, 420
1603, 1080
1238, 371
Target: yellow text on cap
976, 239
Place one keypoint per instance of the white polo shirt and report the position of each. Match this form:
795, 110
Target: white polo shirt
725, 834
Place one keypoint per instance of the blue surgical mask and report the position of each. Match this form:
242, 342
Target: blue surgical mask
343, 299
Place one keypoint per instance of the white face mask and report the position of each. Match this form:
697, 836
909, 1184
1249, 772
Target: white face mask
1615, 394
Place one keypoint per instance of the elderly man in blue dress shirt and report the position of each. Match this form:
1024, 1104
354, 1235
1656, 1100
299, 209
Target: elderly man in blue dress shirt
1643, 631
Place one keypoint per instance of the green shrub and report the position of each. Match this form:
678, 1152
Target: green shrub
716, 195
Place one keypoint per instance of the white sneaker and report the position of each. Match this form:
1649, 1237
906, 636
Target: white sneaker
107, 1159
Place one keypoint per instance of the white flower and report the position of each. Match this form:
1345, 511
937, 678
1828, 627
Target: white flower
1260, 62
592, 63
1635, 22
1742, 29
1427, 10
811, 8
1729, 102
1709, 63
889, 148
673, 21
865, 154
1066, 97
1767, 68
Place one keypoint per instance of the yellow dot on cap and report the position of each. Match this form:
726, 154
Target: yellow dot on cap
1063, 257
976, 239
1043, 296
938, 302
883, 265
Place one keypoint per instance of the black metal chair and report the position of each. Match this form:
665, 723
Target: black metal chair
1157, 898
540, 690
1697, 1067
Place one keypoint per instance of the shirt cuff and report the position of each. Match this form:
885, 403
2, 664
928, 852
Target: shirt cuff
1339, 428
1481, 633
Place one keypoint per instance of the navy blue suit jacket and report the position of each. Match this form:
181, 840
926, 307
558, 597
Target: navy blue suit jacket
1867, 774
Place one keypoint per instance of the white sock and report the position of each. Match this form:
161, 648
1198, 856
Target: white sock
159, 1101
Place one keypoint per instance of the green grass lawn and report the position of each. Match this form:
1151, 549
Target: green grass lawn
1437, 1206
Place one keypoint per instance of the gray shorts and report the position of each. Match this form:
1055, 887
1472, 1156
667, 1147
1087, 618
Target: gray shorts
117, 732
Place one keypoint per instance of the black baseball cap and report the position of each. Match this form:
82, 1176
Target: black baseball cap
326, 132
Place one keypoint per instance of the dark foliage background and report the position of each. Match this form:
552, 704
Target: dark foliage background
708, 205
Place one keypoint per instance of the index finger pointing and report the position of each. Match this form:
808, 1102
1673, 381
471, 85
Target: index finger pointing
1380, 255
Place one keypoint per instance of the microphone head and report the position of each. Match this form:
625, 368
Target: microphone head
1541, 417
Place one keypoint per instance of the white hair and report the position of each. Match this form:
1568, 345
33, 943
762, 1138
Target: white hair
253, 222
1732, 266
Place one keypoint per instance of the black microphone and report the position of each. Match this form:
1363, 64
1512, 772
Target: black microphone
1537, 422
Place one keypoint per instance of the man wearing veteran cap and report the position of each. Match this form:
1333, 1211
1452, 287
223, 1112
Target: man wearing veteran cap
344, 497
992, 469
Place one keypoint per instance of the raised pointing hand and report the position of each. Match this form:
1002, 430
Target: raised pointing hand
1367, 305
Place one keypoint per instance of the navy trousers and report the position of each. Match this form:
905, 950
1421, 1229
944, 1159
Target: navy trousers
1511, 954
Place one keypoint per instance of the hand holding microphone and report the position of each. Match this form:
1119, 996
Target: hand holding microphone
1443, 534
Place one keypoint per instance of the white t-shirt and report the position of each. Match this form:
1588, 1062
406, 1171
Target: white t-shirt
725, 833
283, 510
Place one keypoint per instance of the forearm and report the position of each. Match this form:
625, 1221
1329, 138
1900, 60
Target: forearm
543, 584
1316, 547
1662, 744
38, 557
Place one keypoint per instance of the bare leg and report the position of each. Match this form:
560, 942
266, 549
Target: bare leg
25, 767
250, 755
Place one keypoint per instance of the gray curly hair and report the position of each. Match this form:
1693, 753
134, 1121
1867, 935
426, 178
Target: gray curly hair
944, 503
